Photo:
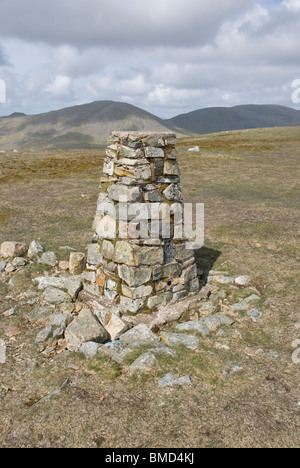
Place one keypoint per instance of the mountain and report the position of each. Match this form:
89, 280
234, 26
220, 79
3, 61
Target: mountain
219, 119
88, 125
85, 126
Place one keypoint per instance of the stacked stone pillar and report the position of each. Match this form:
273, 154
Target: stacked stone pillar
139, 258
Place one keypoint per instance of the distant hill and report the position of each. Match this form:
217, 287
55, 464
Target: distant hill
88, 125
85, 126
219, 119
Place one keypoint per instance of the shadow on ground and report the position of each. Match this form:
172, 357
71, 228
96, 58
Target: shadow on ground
206, 258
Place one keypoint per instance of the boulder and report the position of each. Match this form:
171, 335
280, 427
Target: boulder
83, 329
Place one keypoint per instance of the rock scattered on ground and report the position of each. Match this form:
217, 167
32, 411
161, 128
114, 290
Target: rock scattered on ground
170, 380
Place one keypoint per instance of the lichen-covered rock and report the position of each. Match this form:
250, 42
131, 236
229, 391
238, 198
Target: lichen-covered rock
13, 249
144, 364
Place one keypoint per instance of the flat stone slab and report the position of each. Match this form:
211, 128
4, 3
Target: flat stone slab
73, 284
55, 296
216, 321
170, 380
179, 339
198, 327
40, 313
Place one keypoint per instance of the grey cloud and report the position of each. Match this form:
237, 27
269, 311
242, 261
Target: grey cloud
117, 22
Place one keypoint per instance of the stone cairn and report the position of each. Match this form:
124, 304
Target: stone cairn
140, 273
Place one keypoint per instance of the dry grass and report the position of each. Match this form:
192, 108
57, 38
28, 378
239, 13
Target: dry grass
249, 182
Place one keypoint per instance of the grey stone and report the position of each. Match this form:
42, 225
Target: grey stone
124, 193
89, 349
19, 262
10, 268
77, 263
154, 152
130, 305
2, 266
73, 284
137, 293
2, 352
40, 313
34, 249
170, 380
116, 350
219, 279
216, 321
207, 308
55, 296
140, 334
153, 196
107, 249
242, 280
181, 253
44, 334
144, 363
177, 339
251, 299
199, 327
171, 168
162, 299
255, 314
49, 258
83, 329
162, 350
13, 249
134, 276
173, 193
59, 324
94, 256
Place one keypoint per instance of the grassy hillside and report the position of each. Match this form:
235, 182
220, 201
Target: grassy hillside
88, 126
85, 126
220, 119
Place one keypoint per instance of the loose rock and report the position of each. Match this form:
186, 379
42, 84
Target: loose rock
140, 334
177, 339
170, 380
144, 364
55, 296
83, 329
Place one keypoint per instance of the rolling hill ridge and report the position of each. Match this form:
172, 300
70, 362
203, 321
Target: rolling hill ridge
88, 125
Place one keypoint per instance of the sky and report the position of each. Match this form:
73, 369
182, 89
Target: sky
165, 56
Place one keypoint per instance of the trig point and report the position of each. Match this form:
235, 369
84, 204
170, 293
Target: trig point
139, 257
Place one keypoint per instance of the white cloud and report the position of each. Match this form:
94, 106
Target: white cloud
60, 86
